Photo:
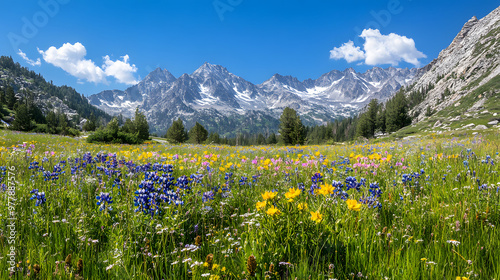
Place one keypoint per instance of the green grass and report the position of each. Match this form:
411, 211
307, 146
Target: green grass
410, 237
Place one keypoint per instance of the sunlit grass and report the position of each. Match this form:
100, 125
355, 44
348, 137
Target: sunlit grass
432, 212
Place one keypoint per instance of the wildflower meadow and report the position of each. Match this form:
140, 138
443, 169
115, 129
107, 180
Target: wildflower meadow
414, 208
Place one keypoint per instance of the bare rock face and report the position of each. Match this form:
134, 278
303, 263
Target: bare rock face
470, 61
480, 127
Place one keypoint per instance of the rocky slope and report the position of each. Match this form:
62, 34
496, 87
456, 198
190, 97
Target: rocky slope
465, 77
48, 97
229, 104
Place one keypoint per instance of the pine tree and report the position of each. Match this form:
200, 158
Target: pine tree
364, 126
10, 98
260, 140
22, 121
428, 111
271, 140
213, 138
63, 123
52, 122
129, 127
381, 119
113, 127
141, 125
90, 125
3, 100
397, 115
368, 120
291, 128
176, 132
198, 134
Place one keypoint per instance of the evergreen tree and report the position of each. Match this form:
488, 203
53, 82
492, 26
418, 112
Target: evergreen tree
397, 115
22, 121
428, 111
261, 140
113, 127
380, 123
176, 133
52, 122
141, 125
271, 140
63, 123
213, 138
129, 126
368, 120
291, 128
198, 134
364, 126
34, 112
90, 124
10, 98
3, 100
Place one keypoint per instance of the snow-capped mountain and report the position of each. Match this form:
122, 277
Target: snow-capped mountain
228, 104
146, 92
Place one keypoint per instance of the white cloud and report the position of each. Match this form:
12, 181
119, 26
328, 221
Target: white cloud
348, 52
389, 49
380, 49
71, 58
121, 70
31, 62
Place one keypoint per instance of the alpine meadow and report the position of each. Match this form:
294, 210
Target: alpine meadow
113, 167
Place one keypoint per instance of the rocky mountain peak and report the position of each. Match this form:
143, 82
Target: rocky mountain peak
212, 91
469, 62
210, 69
160, 75
465, 29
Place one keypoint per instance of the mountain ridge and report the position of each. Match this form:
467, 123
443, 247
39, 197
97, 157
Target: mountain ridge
212, 90
459, 75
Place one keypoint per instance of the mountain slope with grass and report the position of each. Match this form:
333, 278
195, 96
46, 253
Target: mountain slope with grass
461, 88
47, 97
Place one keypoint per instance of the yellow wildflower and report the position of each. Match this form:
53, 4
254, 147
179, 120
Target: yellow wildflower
302, 206
316, 216
273, 211
268, 195
292, 193
260, 205
326, 190
353, 205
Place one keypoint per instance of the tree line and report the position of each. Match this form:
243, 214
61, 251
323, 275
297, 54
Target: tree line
29, 117
384, 118
376, 117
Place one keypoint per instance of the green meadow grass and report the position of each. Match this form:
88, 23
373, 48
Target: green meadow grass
442, 224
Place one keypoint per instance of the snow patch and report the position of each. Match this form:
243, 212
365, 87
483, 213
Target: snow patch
206, 97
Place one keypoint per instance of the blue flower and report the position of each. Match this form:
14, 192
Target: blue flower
39, 196
208, 196
103, 199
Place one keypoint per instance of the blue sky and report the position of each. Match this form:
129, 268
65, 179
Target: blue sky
253, 39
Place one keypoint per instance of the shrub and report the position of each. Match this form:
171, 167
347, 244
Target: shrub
108, 136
